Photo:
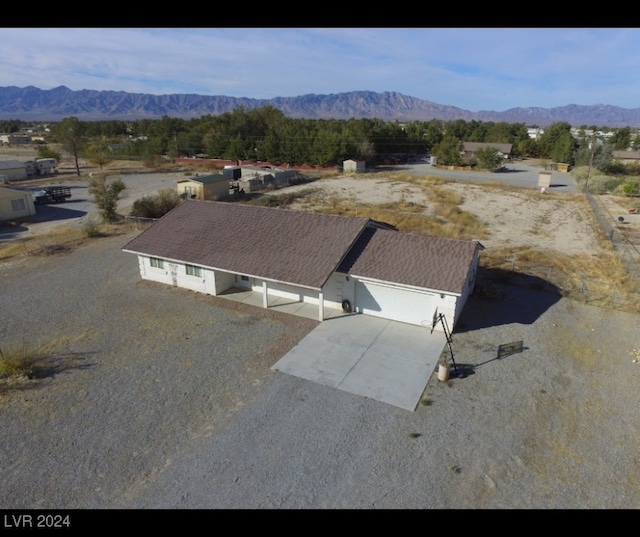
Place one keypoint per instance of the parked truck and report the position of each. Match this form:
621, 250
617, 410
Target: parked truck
51, 194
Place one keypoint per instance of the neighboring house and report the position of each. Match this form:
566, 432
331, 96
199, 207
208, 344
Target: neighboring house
15, 204
333, 261
15, 170
535, 132
469, 149
354, 166
627, 157
204, 187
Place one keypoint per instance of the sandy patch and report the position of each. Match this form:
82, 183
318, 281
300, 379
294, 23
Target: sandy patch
527, 218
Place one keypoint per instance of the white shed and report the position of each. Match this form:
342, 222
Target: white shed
15, 170
355, 166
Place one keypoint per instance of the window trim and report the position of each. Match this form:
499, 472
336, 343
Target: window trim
193, 270
156, 262
18, 204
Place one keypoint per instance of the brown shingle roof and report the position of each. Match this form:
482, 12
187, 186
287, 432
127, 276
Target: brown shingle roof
303, 248
626, 154
472, 147
412, 259
296, 247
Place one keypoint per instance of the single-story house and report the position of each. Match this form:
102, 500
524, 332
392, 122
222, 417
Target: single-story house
15, 170
626, 157
469, 149
333, 261
355, 166
535, 132
15, 204
204, 187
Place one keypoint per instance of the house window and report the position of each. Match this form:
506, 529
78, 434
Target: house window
157, 263
18, 205
194, 271
244, 278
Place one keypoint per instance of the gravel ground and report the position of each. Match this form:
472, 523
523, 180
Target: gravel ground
158, 397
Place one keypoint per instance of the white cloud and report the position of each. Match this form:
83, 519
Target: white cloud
471, 68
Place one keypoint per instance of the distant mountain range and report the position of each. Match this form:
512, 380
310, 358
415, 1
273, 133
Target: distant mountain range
33, 104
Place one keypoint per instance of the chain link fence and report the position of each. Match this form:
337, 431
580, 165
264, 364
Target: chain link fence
139, 222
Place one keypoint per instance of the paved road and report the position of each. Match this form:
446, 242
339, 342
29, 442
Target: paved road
80, 207
517, 174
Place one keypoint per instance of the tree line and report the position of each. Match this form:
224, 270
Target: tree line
266, 134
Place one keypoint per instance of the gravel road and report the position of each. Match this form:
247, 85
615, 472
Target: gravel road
160, 398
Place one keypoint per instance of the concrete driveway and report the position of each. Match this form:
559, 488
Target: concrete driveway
368, 356
388, 361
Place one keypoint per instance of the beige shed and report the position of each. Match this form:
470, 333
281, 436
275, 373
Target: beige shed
206, 187
15, 204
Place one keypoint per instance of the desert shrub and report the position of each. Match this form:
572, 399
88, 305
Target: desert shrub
166, 200
633, 169
156, 206
282, 200
52, 249
91, 228
629, 188
106, 195
603, 184
614, 167
144, 207
20, 362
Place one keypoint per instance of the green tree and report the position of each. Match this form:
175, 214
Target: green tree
557, 143
46, 152
448, 151
528, 148
70, 134
99, 153
563, 149
105, 195
621, 139
488, 158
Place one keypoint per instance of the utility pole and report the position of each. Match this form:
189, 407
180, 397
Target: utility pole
593, 151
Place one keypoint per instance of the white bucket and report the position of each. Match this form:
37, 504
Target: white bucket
443, 372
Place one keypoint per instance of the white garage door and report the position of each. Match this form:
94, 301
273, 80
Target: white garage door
404, 305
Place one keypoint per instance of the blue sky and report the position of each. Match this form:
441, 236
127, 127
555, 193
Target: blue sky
471, 68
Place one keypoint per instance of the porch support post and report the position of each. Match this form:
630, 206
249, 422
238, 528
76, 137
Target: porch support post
265, 296
320, 305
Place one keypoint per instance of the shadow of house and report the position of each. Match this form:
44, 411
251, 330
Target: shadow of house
522, 300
